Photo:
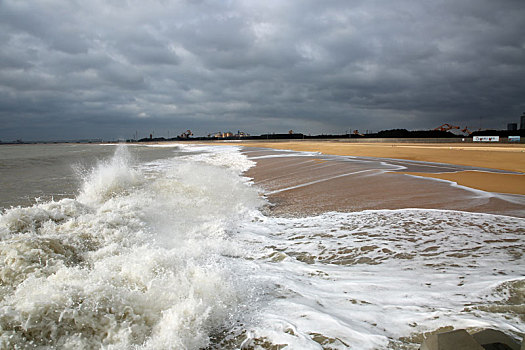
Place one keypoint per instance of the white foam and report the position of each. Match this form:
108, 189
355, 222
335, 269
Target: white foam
110, 178
222, 156
367, 279
286, 155
166, 145
130, 262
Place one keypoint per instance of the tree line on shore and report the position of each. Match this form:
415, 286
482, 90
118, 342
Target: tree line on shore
392, 133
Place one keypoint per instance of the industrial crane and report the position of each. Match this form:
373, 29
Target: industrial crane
446, 127
466, 131
186, 134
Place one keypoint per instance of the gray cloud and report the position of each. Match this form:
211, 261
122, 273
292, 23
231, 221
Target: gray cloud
108, 69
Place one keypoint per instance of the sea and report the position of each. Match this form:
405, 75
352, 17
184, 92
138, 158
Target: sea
170, 247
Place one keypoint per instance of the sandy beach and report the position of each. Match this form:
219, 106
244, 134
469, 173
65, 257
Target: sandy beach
468, 177
496, 156
503, 164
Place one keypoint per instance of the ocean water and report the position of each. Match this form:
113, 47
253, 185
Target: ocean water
144, 247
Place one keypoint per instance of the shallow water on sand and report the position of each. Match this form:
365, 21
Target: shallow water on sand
169, 247
306, 183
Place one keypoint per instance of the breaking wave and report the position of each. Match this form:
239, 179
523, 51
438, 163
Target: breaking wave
137, 259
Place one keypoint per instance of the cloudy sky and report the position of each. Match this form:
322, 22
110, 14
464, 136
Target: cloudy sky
109, 68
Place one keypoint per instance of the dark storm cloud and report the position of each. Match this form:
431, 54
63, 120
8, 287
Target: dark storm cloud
312, 66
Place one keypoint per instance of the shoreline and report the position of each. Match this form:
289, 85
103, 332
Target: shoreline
491, 158
309, 184
480, 180
494, 159
509, 157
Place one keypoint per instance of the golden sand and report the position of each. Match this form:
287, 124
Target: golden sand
510, 157
486, 181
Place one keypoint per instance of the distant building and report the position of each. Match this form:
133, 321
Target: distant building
512, 126
522, 124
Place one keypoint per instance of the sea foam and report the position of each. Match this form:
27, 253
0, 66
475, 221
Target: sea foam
135, 260
380, 279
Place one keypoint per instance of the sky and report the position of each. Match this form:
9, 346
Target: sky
115, 69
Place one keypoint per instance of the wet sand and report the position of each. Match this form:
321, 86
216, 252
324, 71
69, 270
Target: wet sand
493, 158
509, 157
299, 184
